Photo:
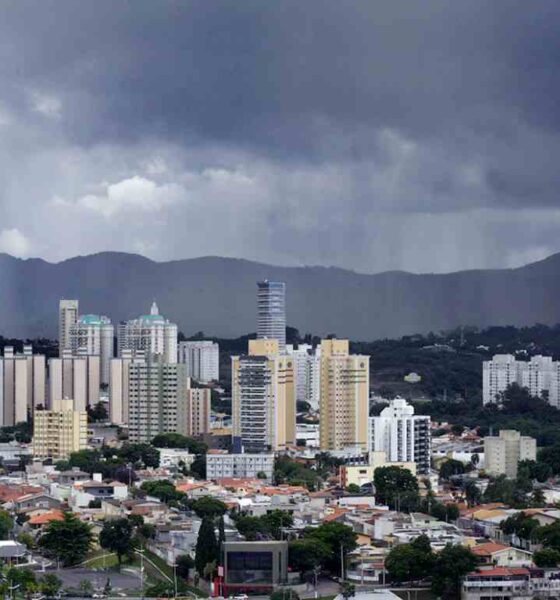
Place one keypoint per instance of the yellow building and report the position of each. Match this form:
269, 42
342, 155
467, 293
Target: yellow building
59, 431
344, 404
263, 398
363, 474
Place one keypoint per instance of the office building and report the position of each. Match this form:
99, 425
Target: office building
540, 375
76, 377
502, 453
157, 398
222, 465
197, 411
271, 301
263, 398
67, 317
119, 384
202, 359
344, 404
22, 385
59, 431
93, 335
152, 334
307, 364
403, 436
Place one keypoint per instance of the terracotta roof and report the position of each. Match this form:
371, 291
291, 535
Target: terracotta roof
187, 487
53, 515
336, 514
488, 549
499, 572
13, 492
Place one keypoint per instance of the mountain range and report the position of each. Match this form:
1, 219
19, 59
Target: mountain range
218, 295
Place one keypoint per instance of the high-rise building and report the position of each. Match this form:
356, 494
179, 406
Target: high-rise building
157, 398
263, 398
540, 375
196, 413
403, 436
152, 334
344, 404
202, 359
502, 453
307, 361
59, 431
76, 377
67, 317
119, 384
93, 335
22, 385
271, 300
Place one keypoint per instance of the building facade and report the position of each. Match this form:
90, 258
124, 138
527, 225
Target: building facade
157, 398
92, 335
403, 436
22, 384
197, 411
59, 431
344, 404
271, 302
502, 453
152, 334
76, 377
307, 361
263, 398
67, 317
119, 384
202, 359
222, 465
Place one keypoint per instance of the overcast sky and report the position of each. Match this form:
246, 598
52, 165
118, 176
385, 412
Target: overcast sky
370, 134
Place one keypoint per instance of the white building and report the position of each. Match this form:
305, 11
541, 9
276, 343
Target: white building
67, 317
175, 457
271, 301
22, 385
157, 399
402, 435
202, 359
503, 453
152, 334
92, 335
220, 465
540, 375
307, 363
76, 377
119, 384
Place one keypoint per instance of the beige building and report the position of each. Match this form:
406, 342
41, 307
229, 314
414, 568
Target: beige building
22, 385
76, 377
195, 418
363, 474
263, 398
503, 453
344, 403
67, 317
59, 431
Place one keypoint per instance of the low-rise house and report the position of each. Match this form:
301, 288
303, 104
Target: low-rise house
82, 493
40, 500
39, 521
72, 476
511, 584
492, 553
13, 553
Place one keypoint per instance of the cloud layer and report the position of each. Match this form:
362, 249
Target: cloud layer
370, 135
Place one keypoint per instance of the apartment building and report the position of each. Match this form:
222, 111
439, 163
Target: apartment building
77, 377
502, 453
202, 359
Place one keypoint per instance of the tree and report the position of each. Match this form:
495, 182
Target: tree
207, 506
451, 565
221, 532
249, 527
451, 467
23, 578
348, 590
198, 467
184, 564
262, 475
472, 493
353, 488
308, 553
27, 540
457, 429
396, 487
6, 524
521, 525
116, 536
549, 535
546, 558
50, 584
97, 413
207, 550
95, 503
86, 587
163, 489
177, 440
410, 562
68, 541
335, 536
275, 521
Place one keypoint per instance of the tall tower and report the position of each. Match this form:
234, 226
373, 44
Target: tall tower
67, 316
272, 312
344, 403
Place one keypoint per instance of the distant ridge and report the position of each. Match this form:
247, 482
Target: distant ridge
218, 295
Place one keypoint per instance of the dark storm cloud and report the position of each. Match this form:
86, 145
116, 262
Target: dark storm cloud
367, 134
